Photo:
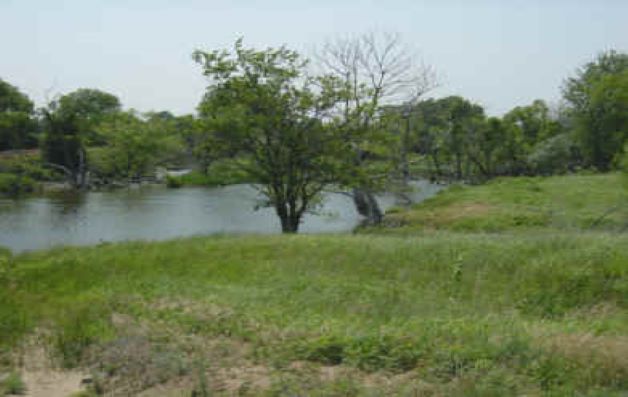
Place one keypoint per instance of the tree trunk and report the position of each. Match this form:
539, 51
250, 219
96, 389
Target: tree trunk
367, 206
289, 220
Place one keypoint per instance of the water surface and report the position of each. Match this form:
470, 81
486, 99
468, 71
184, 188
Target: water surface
158, 213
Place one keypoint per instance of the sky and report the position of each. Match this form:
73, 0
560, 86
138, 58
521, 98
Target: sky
500, 54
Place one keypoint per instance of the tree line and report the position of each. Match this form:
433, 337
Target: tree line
356, 118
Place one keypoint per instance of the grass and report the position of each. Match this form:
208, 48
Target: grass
533, 312
456, 311
576, 202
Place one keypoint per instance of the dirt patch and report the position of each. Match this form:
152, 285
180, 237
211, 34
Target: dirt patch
612, 350
43, 379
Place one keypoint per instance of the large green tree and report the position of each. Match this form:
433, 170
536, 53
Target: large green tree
598, 99
17, 127
262, 105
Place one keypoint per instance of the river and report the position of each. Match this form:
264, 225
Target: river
154, 212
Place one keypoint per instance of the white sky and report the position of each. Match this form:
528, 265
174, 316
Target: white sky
500, 54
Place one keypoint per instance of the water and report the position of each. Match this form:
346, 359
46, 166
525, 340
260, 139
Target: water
158, 213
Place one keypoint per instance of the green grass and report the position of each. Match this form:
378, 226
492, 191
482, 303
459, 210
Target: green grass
577, 202
461, 313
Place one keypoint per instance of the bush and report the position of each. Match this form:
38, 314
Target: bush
15, 184
173, 182
556, 155
13, 384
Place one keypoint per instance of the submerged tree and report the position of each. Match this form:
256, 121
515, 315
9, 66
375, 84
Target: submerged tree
261, 105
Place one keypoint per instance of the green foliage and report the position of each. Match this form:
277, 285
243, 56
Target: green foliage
173, 182
555, 155
13, 385
220, 173
263, 106
13, 184
598, 96
89, 107
459, 142
17, 127
134, 146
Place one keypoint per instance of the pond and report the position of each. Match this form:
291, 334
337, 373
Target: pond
153, 212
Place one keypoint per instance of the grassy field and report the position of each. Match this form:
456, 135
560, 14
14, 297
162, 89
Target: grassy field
433, 314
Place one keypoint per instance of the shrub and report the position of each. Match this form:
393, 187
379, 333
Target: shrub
173, 182
13, 384
15, 184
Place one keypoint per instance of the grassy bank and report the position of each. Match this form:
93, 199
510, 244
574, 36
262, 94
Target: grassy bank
576, 202
332, 315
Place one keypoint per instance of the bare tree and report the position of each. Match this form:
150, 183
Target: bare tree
377, 69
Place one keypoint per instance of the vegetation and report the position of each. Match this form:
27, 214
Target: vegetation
17, 128
14, 184
12, 385
575, 202
362, 125
219, 173
262, 106
449, 314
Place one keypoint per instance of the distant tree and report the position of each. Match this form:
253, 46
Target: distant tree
70, 125
263, 106
134, 146
534, 123
17, 127
597, 96
63, 146
89, 107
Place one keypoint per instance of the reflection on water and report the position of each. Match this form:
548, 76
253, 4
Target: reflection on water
157, 213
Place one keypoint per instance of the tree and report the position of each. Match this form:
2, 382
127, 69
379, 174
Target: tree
17, 127
134, 146
597, 96
63, 147
70, 125
89, 107
375, 70
262, 105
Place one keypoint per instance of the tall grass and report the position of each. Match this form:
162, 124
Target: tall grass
466, 313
